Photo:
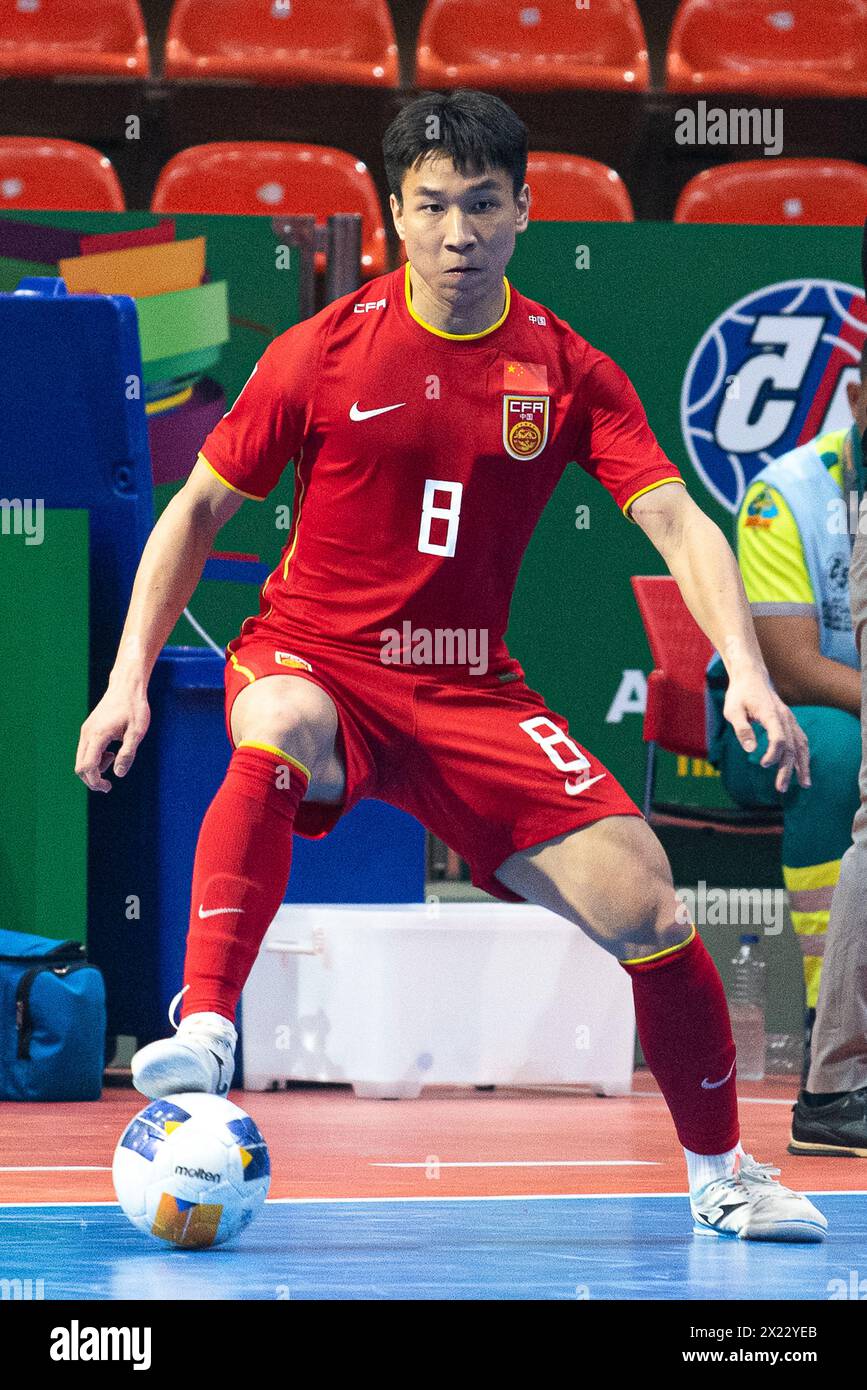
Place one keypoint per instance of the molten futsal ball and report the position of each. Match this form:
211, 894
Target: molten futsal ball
191, 1169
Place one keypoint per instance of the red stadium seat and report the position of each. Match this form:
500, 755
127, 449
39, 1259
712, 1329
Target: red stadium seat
73, 37
805, 192
674, 717
540, 45
47, 174
283, 41
569, 188
274, 178
779, 47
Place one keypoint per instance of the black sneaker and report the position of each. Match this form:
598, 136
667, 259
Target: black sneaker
840, 1127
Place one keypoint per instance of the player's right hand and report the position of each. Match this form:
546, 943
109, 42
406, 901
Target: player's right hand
121, 716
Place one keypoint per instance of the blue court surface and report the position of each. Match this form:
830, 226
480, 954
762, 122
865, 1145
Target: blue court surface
563, 1248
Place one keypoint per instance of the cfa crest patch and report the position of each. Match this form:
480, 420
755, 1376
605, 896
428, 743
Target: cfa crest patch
287, 659
525, 425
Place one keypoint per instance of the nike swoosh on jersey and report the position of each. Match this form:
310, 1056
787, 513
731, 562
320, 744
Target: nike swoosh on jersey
356, 414
714, 1085
582, 786
212, 911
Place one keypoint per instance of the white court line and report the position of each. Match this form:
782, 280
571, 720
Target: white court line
742, 1100
17, 1206
56, 1168
760, 1100
504, 1197
531, 1163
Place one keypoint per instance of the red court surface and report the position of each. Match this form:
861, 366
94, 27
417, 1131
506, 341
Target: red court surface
326, 1143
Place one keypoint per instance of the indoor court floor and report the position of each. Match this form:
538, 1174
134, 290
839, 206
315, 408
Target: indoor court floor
551, 1194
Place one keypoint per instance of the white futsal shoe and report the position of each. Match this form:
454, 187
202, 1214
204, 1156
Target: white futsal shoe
751, 1205
200, 1057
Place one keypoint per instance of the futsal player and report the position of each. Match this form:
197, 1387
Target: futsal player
430, 415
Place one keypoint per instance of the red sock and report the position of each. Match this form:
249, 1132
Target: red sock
242, 863
685, 1034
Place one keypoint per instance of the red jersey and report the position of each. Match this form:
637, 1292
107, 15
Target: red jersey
423, 459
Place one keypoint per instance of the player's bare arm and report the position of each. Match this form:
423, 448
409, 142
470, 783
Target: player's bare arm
169, 570
702, 562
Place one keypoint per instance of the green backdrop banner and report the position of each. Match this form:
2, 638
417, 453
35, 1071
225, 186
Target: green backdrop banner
43, 702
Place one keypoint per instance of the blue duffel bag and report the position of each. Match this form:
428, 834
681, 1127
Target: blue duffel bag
52, 1020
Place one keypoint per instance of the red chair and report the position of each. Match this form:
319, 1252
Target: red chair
674, 718
283, 42
569, 188
73, 37
47, 174
775, 47
275, 178
539, 46
806, 192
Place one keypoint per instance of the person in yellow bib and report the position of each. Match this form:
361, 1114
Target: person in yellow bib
794, 548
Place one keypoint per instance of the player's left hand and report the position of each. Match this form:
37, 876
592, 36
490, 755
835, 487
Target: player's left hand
750, 697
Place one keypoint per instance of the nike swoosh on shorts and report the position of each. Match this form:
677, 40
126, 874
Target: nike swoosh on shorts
582, 786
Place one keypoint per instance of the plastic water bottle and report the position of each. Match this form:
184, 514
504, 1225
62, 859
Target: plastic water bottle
747, 1009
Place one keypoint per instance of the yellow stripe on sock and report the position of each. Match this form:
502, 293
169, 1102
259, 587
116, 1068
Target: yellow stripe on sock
812, 979
810, 889
278, 752
669, 951
810, 924
812, 876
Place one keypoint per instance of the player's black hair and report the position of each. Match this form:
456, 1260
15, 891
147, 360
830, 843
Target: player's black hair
476, 129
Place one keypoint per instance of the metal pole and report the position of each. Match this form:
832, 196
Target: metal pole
299, 233
343, 256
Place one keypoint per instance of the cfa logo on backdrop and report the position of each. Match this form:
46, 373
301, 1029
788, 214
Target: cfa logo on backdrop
768, 375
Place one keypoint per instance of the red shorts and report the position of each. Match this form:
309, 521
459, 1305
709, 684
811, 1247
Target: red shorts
480, 760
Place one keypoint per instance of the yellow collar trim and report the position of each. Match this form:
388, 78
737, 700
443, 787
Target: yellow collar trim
462, 337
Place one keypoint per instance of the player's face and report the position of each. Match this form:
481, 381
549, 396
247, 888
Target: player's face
459, 229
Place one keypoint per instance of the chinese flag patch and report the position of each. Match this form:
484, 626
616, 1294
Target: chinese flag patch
525, 376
